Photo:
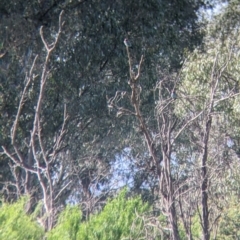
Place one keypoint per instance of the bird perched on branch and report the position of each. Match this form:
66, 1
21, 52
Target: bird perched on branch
173, 95
127, 43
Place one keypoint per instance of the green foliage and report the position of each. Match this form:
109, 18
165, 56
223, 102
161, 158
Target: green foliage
88, 66
196, 229
229, 227
219, 59
182, 233
67, 226
115, 221
15, 224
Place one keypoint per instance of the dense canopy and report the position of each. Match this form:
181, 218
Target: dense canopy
83, 115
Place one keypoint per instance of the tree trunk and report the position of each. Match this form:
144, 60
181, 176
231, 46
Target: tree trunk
205, 213
167, 181
173, 221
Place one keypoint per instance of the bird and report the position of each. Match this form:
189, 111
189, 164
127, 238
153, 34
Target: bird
173, 95
127, 43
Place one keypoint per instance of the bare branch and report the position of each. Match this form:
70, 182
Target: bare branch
17, 162
185, 125
139, 69
21, 103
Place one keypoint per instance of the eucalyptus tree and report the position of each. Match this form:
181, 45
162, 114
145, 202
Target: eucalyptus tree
210, 87
191, 151
87, 67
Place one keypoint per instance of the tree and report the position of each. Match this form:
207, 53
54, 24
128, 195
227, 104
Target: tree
39, 161
87, 66
92, 101
213, 71
203, 97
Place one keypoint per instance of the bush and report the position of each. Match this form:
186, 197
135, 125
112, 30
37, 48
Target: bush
16, 224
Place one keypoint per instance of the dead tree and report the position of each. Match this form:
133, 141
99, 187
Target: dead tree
161, 164
40, 158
